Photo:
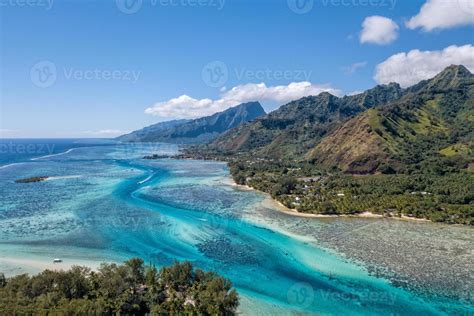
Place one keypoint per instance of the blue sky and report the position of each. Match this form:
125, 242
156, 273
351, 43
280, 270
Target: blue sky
111, 64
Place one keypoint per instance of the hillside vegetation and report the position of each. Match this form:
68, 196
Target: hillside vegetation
388, 150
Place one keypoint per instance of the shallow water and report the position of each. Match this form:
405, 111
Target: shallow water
105, 203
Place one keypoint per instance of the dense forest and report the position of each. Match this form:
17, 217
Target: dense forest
128, 289
446, 197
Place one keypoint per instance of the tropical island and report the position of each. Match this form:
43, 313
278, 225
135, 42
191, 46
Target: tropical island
128, 289
389, 151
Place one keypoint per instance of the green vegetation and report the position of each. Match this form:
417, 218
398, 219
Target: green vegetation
128, 289
447, 197
388, 150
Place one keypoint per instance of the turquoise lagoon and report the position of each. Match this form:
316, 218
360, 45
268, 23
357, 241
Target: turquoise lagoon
104, 203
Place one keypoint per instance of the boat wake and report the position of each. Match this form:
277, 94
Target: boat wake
11, 165
53, 155
63, 178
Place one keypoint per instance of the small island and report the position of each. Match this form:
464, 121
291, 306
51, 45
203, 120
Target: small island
32, 179
156, 156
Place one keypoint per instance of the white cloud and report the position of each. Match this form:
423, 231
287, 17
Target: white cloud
354, 67
188, 107
355, 92
443, 14
378, 30
410, 68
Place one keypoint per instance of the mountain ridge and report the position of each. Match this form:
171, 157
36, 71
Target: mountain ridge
318, 114
390, 151
429, 119
195, 131
380, 120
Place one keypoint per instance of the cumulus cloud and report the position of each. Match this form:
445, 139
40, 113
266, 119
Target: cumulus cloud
443, 14
188, 107
410, 68
378, 30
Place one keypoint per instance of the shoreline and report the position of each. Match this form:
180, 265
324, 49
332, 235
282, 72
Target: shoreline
280, 207
12, 265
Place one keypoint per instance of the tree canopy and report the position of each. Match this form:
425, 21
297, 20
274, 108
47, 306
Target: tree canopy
128, 289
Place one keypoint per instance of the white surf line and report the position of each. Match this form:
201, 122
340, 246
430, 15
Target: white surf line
54, 155
12, 164
143, 181
62, 177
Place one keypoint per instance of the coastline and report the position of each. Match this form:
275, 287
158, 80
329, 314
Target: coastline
15, 265
275, 204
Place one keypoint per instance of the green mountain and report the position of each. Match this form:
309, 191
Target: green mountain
387, 128
391, 151
430, 127
296, 127
199, 130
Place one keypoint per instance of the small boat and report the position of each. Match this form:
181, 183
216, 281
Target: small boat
57, 261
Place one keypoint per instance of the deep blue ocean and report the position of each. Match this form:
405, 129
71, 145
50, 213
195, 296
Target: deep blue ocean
103, 202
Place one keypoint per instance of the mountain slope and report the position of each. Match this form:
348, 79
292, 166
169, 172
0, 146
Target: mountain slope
387, 128
148, 132
199, 130
432, 121
296, 127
